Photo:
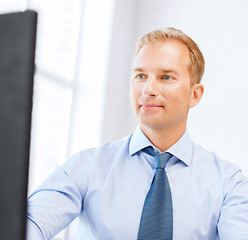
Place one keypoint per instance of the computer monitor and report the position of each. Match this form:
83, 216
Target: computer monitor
17, 52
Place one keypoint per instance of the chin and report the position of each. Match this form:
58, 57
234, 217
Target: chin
155, 125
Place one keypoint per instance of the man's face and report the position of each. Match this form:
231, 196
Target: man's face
160, 87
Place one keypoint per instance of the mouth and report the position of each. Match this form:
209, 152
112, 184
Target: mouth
146, 106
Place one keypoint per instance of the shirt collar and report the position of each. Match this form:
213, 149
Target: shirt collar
182, 149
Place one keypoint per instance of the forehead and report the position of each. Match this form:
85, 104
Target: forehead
165, 54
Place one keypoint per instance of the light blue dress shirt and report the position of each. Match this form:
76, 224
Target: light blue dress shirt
106, 187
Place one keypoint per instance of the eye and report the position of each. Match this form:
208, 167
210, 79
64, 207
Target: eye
140, 76
167, 77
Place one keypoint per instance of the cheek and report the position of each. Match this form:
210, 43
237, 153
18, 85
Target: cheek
179, 97
133, 97
134, 92
184, 99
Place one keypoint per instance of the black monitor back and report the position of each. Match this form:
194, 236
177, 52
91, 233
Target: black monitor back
17, 50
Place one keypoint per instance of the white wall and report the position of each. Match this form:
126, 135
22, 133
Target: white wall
219, 123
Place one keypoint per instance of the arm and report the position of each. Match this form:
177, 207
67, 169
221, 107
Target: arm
33, 231
233, 221
53, 206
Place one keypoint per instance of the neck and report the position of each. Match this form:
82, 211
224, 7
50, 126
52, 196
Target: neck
163, 139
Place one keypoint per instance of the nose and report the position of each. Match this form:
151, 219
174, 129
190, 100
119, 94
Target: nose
150, 88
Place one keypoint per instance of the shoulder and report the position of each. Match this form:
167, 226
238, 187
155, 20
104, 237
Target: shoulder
218, 172
108, 148
88, 158
214, 162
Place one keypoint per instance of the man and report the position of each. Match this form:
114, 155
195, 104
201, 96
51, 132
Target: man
109, 187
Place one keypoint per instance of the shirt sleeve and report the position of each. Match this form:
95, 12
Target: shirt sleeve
233, 220
55, 204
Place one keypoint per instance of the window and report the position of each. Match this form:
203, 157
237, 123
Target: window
69, 84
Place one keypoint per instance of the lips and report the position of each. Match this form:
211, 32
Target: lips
150, 106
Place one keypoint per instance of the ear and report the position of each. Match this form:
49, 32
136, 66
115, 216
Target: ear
196, 94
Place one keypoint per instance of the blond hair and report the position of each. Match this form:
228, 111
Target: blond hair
197, 62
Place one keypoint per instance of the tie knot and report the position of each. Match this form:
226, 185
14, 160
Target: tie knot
161, 158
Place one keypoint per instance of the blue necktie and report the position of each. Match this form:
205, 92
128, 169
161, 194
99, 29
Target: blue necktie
157, 217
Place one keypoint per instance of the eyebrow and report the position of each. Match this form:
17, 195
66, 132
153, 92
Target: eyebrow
138, 70
162, 70
168, 71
